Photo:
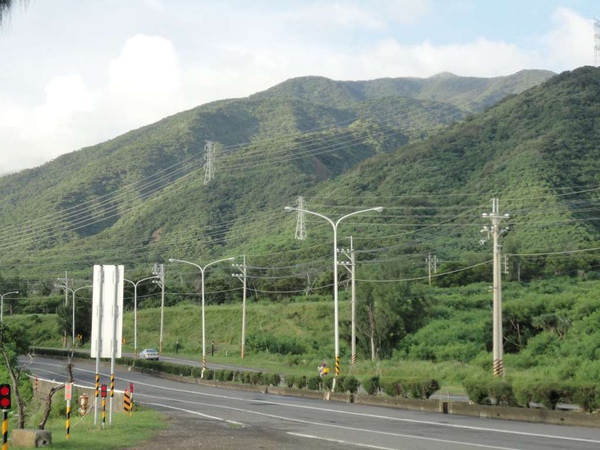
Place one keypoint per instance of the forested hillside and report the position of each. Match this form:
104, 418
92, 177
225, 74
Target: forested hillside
141, 195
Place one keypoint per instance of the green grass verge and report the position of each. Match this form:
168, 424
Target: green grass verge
125, 431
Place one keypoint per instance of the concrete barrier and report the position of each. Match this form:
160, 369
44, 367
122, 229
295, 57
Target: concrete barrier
23, 438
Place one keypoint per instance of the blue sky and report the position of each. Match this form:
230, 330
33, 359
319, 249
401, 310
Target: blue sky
78, 72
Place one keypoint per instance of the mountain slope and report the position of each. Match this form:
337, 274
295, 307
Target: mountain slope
146, 187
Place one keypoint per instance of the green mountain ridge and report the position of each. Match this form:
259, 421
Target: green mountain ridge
129, 199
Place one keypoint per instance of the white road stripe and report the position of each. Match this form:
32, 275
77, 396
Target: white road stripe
357, 414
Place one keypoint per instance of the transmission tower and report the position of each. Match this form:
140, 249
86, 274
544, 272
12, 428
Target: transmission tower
596, 42
209, 157
300, 225
431, 265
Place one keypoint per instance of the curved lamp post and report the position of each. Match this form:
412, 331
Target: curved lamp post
202, 269
135, 285
2, 303
335, 274
73, 293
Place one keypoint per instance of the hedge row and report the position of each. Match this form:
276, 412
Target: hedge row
546, 393
421, 388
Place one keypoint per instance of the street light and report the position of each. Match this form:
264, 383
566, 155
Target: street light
202, 269
135, 284
73, 292
335, 273
2, 302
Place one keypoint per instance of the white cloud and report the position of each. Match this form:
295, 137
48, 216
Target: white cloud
151, 77
571, 43
145, 79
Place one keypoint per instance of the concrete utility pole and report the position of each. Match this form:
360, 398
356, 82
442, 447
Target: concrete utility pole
496, 232
596, 42
159, 272
242, 277
351, 267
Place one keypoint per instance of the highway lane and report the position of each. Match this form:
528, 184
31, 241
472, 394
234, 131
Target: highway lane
329, 424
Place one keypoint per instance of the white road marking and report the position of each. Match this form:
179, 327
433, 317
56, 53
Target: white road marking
196, 413
351, 413
377, 447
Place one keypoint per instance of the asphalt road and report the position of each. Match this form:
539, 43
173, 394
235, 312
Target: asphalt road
223, 418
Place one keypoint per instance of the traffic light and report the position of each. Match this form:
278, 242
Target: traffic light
5, 396
103, 391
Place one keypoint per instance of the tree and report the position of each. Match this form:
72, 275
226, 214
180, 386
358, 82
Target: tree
14, 341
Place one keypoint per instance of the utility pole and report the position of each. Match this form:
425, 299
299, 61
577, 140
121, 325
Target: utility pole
300, 225
431, 265
242, 277
209, 157
65, 280
596, 42
351, 267
496, 232
159, 271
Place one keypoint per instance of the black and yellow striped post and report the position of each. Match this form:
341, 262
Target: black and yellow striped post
4, 429
112, 385
126, 402
337, 365
103, 395
68, 425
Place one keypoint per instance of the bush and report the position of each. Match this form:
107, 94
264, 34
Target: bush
289, 380
351, 384
422, 388
587, 396
314, 383
274, 379
196, 372
328, 383
339, 385
301, 382
502, 392
256, 378
371, 385
549, 393
393, 388
477, 391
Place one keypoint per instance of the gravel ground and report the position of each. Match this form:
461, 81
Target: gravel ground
188, 432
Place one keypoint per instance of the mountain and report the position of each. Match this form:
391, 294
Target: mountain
142, 197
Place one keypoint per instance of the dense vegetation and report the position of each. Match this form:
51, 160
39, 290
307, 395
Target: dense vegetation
142, 199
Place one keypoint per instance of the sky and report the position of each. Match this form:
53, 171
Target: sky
74, 73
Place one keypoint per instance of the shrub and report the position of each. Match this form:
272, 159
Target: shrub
209, 374
289, 380
314, 383
256, 378
422, 388
196, 372
351, 384
524, 394
328, 383
549, 393
301, 382
393, 388
339, 385
371, 385
587, 396
477, 391
502, 392
274, 379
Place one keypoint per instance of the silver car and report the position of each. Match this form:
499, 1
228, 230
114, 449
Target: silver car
149, 353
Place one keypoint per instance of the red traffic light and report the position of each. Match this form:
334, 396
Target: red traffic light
5, 400
103, 391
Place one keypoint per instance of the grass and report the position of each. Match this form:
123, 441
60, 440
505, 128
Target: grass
125, 431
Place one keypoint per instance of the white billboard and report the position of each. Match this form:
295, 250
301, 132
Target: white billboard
107, 311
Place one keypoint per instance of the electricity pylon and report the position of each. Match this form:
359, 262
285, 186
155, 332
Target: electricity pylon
300, 225
209, 157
